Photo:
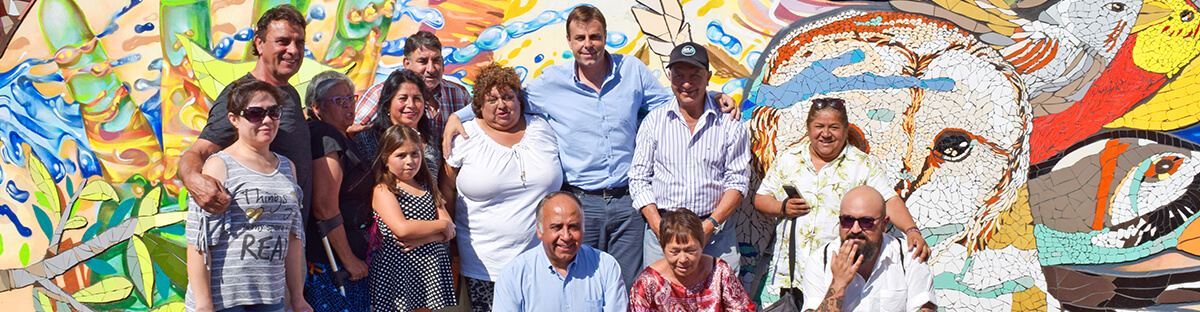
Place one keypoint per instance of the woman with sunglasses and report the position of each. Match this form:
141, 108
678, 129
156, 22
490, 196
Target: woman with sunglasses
342, 188
804, 187
246, 257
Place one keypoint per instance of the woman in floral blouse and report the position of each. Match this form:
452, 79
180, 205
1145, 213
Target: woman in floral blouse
821, 169
686, 279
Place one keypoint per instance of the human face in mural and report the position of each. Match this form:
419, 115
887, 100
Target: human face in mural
587, 42
689, 84
827, 134
408, 106
427, 63
336, 106
281, 49
258, 123
501, 109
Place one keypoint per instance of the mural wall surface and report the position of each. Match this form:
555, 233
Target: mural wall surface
1047, 149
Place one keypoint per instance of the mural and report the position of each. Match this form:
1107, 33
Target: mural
1047, 148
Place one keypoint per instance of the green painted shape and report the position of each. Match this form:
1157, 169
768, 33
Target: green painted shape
947, 280
1, 245
44, 221
24, 255
881, 114
170, 257
354, 35
1135, 185
177, 18
64, 25
1056, 248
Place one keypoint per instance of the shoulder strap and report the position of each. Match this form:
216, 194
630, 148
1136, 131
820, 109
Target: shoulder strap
902, 256
792, 252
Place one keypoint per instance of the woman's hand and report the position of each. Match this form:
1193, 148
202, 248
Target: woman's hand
795, 207
300, 305
357, 268
918, 246
449, 232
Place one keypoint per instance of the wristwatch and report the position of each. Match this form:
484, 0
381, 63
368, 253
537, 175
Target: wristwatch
716, 225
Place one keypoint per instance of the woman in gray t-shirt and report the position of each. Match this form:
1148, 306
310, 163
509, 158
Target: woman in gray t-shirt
247, 256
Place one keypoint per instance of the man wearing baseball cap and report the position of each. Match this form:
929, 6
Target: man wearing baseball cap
690, 155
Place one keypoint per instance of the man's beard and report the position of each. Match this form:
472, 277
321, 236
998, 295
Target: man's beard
866, 248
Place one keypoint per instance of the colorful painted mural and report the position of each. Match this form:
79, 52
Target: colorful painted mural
1047, 148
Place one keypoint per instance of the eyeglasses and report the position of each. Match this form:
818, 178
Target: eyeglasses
343, 101
837, 104
866, 223
256, 114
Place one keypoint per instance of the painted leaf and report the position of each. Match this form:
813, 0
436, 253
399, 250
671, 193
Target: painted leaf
42, 303
137, 263
169, 256
44, 183
1, 245
24, 254
44, 222
108, 290
76, 222
176, 306
145, 223
150, 202
98, 190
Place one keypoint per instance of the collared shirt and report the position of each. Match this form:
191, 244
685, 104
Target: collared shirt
897, 283
596, 130
531, 283
450, 96
676, 167
823, 191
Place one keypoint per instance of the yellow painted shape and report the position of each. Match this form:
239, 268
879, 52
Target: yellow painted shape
1015, 226
711, 4
1167, 47
213, 74
1174, 104
1032, 299
519, 8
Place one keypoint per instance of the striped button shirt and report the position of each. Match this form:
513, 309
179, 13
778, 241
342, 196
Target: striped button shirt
675, 167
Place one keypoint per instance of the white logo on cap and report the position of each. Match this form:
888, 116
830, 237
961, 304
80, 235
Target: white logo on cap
688, 50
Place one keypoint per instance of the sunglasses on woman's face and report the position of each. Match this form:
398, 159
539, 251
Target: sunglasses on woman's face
823, 103
256, 114
866, 223
343, 101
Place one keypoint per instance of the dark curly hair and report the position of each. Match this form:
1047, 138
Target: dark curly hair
285, 12
500, 78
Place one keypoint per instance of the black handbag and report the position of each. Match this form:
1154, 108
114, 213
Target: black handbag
790, 299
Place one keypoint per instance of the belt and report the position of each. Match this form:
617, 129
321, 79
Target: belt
663, 212
608, 192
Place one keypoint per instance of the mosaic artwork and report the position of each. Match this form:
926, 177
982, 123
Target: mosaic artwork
1047, 148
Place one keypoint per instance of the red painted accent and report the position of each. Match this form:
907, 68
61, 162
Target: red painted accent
1121, 87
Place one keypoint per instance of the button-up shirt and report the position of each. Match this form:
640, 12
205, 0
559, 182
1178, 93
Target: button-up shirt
677, 167
823, 191
596, 129
531, 283
897, 282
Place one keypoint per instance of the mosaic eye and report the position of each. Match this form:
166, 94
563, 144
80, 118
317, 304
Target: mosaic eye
1115, 7
952, 145
1187, 16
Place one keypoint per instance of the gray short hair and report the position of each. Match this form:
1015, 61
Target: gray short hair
542, 206
320, 84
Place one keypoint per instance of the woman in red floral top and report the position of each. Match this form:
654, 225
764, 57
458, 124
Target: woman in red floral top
685, 279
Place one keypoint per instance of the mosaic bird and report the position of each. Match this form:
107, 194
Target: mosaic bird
1086, 63
1114, 222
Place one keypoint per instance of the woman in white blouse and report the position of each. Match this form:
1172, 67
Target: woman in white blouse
507, 163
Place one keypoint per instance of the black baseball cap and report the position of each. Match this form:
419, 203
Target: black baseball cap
691, 53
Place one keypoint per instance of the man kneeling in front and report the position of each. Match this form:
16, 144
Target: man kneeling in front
564, 275
866, 270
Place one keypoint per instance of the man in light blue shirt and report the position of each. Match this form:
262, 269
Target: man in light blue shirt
563, 275
592, 103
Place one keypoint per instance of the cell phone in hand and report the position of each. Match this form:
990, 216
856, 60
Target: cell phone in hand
791, 191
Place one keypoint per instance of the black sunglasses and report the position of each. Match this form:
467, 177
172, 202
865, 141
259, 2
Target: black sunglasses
256, 114
866, 223
837, 104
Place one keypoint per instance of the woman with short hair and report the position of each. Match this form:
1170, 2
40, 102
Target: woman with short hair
685, 279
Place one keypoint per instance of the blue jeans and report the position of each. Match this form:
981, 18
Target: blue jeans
721, 245
278, 307
610, 224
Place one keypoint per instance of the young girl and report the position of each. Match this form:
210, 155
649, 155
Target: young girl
411, 270
243, 258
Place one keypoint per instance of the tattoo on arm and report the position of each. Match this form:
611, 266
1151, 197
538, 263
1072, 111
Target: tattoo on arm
832, 302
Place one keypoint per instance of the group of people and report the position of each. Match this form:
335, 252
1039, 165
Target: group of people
552, 197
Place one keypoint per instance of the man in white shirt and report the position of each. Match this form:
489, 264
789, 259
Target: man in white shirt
866, 270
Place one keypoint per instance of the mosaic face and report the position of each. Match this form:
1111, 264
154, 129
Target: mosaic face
943, 112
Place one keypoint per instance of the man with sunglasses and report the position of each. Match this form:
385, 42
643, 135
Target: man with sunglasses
866, 270
279, 45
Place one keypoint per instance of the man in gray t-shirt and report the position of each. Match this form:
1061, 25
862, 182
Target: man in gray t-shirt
279, 44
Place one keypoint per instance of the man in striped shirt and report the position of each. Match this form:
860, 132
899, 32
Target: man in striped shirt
690, 155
